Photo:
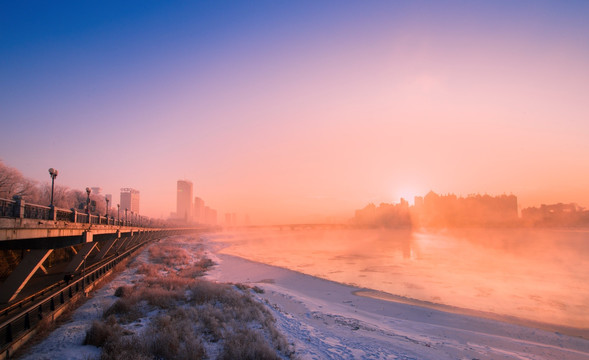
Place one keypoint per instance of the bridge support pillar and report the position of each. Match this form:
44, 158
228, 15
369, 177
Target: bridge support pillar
131, 242
123, 242
17, 279
106, 246
78, 260
43, 270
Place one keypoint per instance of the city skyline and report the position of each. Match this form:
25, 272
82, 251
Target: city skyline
299, 111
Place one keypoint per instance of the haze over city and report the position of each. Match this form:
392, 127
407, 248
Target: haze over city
298, 111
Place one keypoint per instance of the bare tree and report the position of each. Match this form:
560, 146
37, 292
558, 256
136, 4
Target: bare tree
60, 196
12, 183
76, 199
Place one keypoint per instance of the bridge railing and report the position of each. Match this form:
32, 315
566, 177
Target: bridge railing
82, 218
63, 215
17, 208
7, 207
37, 212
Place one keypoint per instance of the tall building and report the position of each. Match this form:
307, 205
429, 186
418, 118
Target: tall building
130, 199
210, 216
184, 200
199, 210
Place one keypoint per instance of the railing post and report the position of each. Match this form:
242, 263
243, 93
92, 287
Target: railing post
19, 207
74, 215
52, 213
9, 333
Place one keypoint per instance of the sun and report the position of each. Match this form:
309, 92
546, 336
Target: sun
406, 193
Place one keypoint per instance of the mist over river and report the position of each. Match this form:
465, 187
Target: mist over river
539, 275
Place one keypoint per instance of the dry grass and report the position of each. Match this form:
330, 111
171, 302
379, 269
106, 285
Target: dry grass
193, 315
246, 344
169, 255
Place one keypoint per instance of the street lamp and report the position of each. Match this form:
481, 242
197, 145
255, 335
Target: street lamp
106, 198
126, 215
119, 213
53, 174
88, 191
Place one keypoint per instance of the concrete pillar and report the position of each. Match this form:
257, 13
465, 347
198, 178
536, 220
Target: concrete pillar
19, 207
21, 275
87, 236
78, 260
52, 213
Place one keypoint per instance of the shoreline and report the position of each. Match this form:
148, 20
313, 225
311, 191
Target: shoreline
582, 333
367, 321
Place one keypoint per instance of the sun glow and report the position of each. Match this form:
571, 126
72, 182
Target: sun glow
407, 194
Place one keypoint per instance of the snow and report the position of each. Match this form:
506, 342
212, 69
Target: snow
325, 319
66, 342
328, 320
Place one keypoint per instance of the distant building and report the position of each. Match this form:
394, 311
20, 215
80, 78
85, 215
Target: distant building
210, 216
473, 210
435, 210
130, 200
184, 200
96, 190
199, 210
556, 215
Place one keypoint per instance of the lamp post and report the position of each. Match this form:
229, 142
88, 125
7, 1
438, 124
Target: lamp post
88, 191
53, 174
106, 198
119, 214
126, 215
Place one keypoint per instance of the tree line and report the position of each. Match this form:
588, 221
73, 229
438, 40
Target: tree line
14, 183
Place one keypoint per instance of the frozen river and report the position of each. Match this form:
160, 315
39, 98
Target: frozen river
538, 275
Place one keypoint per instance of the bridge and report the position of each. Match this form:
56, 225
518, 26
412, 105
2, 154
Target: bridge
94, 244
295, 227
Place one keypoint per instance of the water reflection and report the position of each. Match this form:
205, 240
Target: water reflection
528, 273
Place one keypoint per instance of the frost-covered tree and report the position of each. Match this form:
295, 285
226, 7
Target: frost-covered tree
12, 183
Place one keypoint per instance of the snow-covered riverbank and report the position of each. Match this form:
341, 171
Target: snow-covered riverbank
326, 320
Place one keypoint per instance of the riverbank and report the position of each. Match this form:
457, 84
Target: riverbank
324, 319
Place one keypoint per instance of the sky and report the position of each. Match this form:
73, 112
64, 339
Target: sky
302, 110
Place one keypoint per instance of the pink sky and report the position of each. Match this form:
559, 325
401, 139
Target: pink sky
293, 116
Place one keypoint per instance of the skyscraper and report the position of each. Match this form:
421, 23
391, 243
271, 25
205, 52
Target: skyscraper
184, 200
199, 210
130, 199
